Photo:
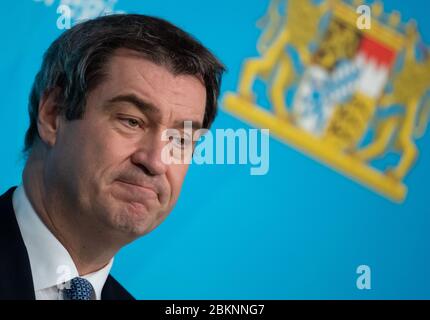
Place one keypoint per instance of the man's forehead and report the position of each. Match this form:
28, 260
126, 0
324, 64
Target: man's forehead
130, 73
126, 58
127, 64
130, 65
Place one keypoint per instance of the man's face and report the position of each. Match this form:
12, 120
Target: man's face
109, 163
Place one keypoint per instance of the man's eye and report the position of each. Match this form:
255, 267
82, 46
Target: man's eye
130, 122
180, 142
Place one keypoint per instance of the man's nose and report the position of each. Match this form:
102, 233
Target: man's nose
149, 155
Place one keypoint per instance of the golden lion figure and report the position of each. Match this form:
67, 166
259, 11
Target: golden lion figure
296, 27
410, 86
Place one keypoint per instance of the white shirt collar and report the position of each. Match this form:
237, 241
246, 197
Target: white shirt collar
51, 264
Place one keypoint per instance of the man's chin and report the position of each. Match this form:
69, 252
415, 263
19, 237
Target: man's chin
137, 209
134, 220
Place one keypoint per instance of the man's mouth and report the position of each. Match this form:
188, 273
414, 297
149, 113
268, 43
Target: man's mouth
141, 189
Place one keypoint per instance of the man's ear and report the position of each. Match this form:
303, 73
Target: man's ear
49, 117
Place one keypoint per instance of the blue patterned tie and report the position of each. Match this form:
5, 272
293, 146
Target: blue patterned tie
80, 289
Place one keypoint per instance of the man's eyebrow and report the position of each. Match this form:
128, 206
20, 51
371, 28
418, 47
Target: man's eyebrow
196, 125
145, 106
142, 105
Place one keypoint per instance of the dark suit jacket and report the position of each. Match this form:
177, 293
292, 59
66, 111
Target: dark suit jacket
16, 282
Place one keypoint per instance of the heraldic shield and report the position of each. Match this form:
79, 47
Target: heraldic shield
342, 94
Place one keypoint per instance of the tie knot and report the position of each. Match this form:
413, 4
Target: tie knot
79, 289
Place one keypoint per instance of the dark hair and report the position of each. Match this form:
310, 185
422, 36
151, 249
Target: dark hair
75, 62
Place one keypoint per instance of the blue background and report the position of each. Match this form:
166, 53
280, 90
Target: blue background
298, 232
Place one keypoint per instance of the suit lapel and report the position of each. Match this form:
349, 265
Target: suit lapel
16, 282
113, 290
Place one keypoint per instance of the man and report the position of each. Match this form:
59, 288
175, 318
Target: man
95, 180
